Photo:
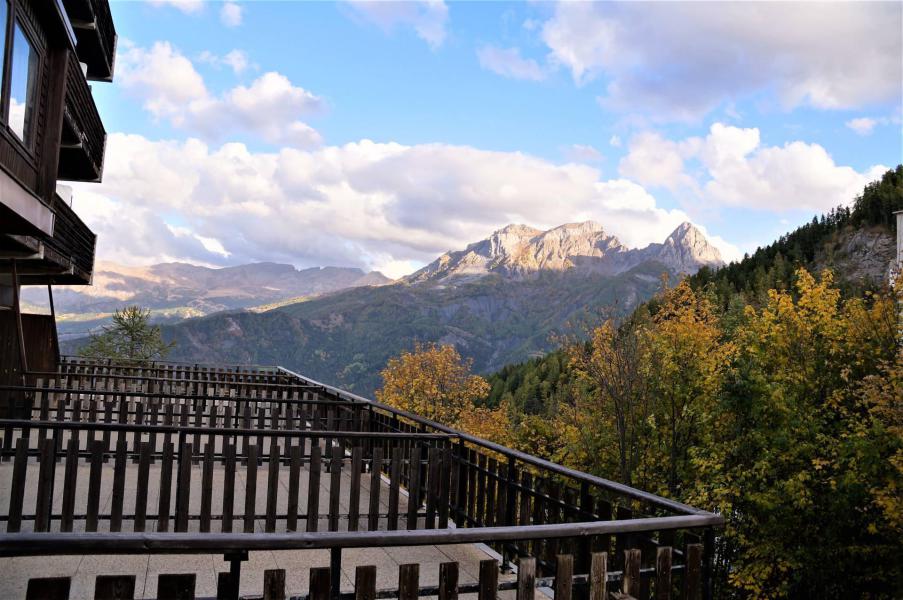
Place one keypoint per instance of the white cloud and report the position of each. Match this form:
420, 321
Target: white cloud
615, 141
186, 6
658, 162
237, 60
736, 169
170, 87
866, 125
832, 55
583, 153
509, 63
428, 18
231, 14
374, 205
161, 76
862, 125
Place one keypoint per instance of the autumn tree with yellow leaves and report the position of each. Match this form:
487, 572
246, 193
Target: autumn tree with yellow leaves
434, 382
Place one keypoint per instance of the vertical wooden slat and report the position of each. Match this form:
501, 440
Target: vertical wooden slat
564, 573
335, 489
44, 500
48, 588
114, 587
432, 487
354, 491
272, 486
492, 484
228, 485
365, 582
489, 579
313, 491
444, 499
274, 584
165, 487
481, 489
598, 576
118, 485
142, 490
69, 483
448, 581
394, 483
224, 586
693, 573
375, 484
17, 486
176, 587
663, 573
632, 584
408, 581
414, 487
319, 583
526, 578
251, 489
207, 485
294, 485
94, 480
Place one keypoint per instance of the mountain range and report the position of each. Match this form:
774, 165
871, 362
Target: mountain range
175, 291
500, 300
519, 251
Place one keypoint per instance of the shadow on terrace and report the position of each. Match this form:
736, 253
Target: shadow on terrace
162, 468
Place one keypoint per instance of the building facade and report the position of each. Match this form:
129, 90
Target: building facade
50, 131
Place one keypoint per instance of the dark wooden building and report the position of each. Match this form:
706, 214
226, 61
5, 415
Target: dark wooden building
50, 130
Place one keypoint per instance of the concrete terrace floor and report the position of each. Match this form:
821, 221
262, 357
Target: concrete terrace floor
15, 572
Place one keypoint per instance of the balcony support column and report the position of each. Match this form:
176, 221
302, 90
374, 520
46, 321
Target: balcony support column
235, 559
56, 337
58, 62
20, 332
335, 573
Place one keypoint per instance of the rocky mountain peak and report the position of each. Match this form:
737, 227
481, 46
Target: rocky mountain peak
687, 249
520, 251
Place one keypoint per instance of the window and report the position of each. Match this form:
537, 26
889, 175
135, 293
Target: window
22, 80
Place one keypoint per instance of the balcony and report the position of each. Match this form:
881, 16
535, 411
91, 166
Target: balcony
66, 257
84, 138
162, 464
95, 36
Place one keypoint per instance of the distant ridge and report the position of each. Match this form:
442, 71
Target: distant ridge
521, 251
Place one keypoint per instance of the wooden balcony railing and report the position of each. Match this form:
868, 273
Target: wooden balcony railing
359, 475
84, 137
95, 34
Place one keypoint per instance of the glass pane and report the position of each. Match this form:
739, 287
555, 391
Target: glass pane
22, 86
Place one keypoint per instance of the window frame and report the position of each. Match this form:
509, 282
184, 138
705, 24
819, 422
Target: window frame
17, 16
7, 58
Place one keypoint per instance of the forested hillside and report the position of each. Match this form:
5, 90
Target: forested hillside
769, 391
535, 384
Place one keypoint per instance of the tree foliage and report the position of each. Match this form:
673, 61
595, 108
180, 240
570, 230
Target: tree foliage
130, 337
432, 381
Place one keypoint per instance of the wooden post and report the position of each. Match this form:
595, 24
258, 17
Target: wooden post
274, 584
598, 576
448, 581
632, 583
409, 581
663, 573
365, 583
564, 574
489, 579
526, 578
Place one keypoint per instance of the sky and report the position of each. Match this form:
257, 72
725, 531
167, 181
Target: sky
379, 135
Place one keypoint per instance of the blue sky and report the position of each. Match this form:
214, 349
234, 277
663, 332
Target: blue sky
381, 134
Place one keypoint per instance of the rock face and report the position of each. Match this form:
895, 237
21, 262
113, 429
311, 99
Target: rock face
519, 251
859, 256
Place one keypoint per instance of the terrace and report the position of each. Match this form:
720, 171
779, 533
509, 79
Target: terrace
139, 479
